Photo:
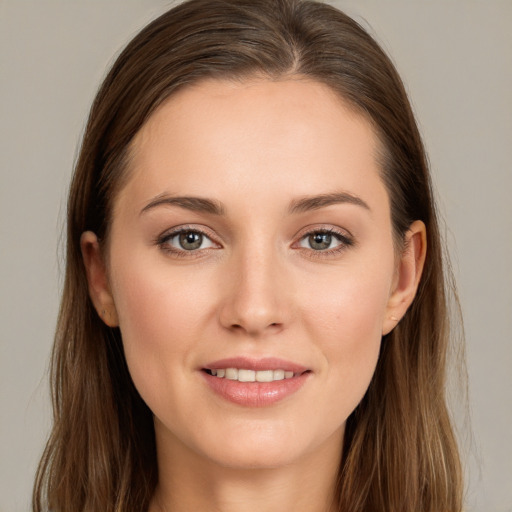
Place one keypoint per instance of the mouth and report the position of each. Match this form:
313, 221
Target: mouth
245, 375
255, 383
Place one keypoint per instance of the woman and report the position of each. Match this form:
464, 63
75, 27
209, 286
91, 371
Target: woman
254, 312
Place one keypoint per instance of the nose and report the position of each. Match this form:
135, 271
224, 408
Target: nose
257, 298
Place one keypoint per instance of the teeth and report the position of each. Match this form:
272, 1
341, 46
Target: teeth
243, 375
278, 374
246, 375
231, 373
265, 375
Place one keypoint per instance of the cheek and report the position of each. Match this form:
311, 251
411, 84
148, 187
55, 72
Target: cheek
351, 306
160, 318
155, 302
346, 321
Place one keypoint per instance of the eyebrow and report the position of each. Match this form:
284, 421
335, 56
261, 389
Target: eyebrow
304, 204
196, 204
321, 201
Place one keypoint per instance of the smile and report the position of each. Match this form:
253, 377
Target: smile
255, 382
244, 375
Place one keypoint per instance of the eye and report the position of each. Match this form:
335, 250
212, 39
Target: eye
325, 240
188, 240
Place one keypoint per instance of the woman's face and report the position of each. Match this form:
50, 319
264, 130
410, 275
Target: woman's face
253, 234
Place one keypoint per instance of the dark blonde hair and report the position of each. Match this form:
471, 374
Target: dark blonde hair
399, 450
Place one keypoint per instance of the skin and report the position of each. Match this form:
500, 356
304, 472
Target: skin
256, 287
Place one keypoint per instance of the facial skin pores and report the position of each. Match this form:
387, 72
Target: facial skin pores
252, 268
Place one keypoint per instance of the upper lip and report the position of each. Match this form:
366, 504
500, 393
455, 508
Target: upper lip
265, 363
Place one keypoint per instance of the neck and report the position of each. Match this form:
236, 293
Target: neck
190, 482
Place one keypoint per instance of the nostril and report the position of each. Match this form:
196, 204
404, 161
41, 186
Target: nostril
254, 330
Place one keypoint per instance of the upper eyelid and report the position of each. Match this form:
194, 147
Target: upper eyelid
334, 230
169, 233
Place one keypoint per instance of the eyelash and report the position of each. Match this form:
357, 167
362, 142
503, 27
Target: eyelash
345, 242
163, 242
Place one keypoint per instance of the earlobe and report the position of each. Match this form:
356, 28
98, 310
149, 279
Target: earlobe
408, 275
97, 279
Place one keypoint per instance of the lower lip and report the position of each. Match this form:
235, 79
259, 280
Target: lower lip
255, 394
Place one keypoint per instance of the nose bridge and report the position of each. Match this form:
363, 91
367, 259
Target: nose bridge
256, 295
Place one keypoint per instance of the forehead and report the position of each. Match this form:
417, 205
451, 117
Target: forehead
221, 137
254, 107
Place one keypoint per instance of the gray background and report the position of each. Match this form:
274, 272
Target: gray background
456, 59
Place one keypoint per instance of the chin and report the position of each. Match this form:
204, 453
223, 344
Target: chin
258, 447
254, 457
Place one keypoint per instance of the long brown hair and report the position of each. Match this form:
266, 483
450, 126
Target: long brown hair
399, 451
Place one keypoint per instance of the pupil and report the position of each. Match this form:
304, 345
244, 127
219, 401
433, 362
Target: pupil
320, 241
191, 240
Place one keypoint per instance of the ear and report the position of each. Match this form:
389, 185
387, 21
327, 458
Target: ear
408, 274
99, 288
